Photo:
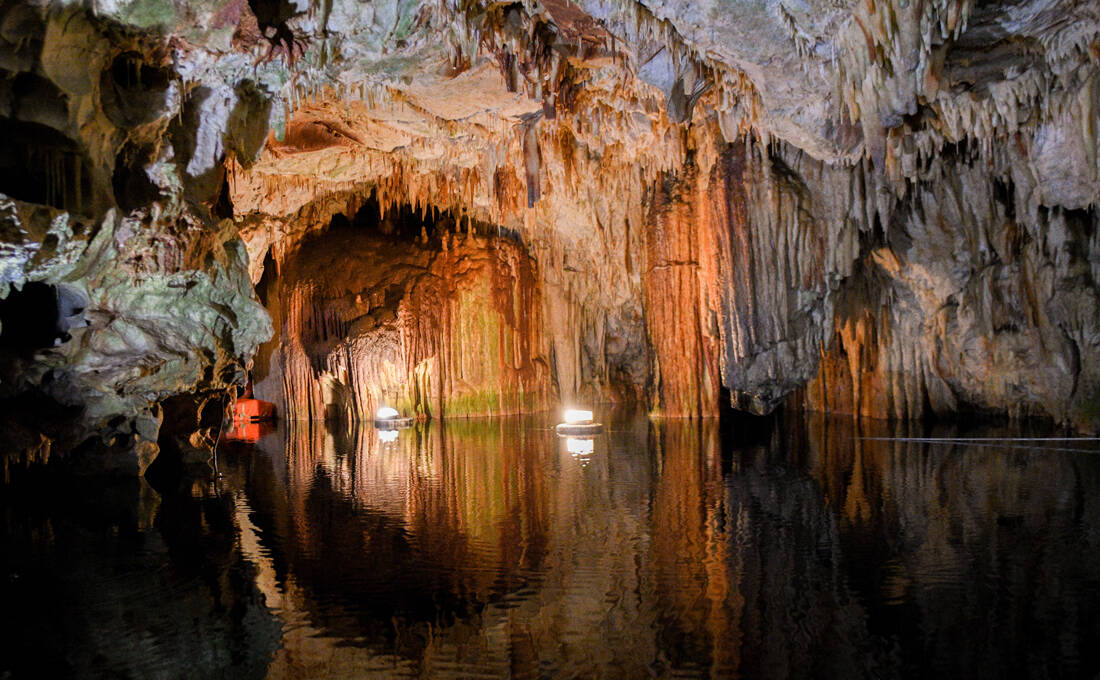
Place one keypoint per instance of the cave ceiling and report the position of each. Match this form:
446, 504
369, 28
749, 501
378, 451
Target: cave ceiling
531, 115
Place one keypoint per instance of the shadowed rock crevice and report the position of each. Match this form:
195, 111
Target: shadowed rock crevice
40, 315
134, 92
40, 165
192, 424
130, 180
30, 98
21, 35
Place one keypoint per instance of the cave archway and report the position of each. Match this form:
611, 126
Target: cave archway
40, 165
39, 316
406, 311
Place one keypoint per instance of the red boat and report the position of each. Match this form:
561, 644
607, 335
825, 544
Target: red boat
251, 418
249, 433
249, 410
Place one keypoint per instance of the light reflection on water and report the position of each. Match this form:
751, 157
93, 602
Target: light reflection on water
497, 549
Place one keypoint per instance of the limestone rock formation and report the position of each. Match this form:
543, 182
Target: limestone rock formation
882, 207
369, 316
107, 208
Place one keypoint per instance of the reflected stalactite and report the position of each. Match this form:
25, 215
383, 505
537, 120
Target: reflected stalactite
528, 536
795, 612
114, 580
791, 548
958, 515
696, 585
424, 531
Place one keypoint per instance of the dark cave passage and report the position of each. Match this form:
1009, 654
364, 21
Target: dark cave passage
132, 91
40, 316
40, 165
131, 184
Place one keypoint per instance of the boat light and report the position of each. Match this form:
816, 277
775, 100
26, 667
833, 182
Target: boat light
575, 415
387, 436
386, 413
580, 447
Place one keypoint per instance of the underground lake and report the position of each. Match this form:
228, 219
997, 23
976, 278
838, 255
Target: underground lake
808, 547
549, 339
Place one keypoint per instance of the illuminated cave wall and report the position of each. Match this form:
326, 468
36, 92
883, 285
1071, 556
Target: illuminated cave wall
404, 312
787, 281
840, 209
781, 279
882, 209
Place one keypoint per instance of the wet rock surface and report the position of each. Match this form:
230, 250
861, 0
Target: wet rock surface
99, 212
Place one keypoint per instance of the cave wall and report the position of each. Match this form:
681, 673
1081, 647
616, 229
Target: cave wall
877, 209
745, 262
837, 290
969, 300
447, 325
778, 277
748, 238
680, 282
106, 194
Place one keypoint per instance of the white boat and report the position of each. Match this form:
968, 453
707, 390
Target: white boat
578, 423
389, 419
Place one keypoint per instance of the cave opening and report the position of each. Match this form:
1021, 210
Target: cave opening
40, 165
132, 91
39, 316
404, 309
222, 208
131, 184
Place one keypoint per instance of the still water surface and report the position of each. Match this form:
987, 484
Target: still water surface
489, 549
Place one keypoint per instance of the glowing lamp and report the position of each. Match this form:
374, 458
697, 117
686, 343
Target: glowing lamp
579, 423
580, 447
387, 418
575, 416
387, 436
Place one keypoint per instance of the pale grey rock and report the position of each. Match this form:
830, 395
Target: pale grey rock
1064, 153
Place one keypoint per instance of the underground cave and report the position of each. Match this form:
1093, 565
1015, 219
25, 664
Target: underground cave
820, 278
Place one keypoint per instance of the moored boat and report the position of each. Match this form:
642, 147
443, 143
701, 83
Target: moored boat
389, 419
578, 423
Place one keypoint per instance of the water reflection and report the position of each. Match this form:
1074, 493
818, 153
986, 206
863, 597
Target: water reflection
985, 555
497, 549
109, 580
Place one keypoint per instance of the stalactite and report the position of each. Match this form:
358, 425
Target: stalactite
531, 163
453, 344
802, 230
